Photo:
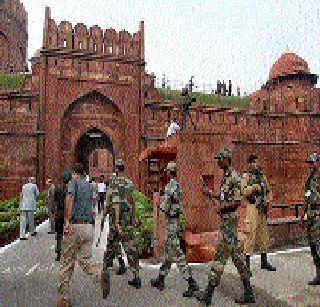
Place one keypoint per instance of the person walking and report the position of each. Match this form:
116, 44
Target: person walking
59, 202
257, 197
172, 207
78, 234
102, 189
28, 200
50, 205
228, 244
311, 213
94, 186
122, 223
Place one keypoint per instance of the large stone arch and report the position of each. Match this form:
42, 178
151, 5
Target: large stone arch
90, 111
92, 140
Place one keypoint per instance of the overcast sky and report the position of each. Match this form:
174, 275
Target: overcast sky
210, 39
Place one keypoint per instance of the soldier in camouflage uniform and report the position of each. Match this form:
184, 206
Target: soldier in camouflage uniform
172, 207
112, 230
257, 196
311, 213
122, 223
228, 245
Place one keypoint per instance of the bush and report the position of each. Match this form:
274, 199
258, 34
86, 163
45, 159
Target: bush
144, 213
144, 232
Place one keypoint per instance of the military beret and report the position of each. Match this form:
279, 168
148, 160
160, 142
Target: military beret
119, 162
313, 158
171, 167
225, 153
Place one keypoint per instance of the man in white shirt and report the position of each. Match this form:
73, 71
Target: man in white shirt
173, 128
102, 189
28, 197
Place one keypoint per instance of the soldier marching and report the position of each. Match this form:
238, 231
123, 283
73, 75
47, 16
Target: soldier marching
172, 207
228, 245
252, 188
122, 222
311, 212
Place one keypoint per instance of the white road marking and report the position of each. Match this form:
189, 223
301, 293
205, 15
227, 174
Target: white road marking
39, 227
32, 269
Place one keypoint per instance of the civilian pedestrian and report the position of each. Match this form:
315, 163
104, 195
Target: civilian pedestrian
78, 234
59, 202
27, 206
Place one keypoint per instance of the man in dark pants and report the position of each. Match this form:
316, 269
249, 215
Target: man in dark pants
311, 213
59, 202
102, 189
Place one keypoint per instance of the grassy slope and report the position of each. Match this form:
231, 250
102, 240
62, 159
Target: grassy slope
11, 81
207, 99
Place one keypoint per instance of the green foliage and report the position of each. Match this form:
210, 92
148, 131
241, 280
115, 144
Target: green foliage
11, 81
144, 213
207, 99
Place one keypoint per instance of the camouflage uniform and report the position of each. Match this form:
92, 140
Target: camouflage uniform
312, 188
113, 241
228, 244
172, 207
119, 191
122, 188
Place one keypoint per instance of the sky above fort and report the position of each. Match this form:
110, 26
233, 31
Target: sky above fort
209, 39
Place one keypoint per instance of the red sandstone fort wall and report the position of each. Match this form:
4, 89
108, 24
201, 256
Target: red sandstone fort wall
13, 36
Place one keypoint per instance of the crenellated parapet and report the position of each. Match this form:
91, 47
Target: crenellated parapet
93, 40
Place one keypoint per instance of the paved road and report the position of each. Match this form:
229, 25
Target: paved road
28, 275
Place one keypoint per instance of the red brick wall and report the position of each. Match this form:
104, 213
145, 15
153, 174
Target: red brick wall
13, 36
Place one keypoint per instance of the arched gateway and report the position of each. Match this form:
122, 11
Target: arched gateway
90, 123
91, 81
88, 144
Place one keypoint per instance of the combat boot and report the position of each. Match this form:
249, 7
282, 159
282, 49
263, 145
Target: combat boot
158, 283
192, 288
248, 296
105, 283
206, 296
316, 281
136, 282
265, 265
122, 267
